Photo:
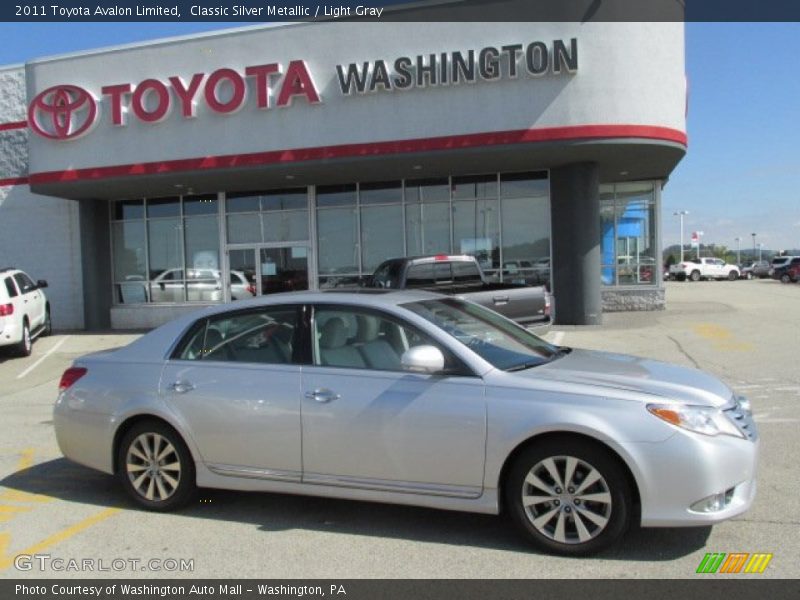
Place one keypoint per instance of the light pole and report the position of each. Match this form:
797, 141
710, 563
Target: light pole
754, 244
760, 246
681, 214
738, 251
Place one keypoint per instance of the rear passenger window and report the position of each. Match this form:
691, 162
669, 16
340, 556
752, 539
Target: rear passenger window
11, 288
265, 336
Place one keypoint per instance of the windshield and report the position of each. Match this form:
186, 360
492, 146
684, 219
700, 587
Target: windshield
500, 342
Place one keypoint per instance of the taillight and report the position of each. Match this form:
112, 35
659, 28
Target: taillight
439, 257
252, 289
70, 376
6, 309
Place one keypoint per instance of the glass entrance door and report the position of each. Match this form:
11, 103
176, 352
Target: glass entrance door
259, 270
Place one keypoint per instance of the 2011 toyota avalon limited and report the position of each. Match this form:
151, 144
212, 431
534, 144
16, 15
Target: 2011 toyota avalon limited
410, 398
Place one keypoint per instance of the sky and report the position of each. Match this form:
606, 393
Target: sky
741, 174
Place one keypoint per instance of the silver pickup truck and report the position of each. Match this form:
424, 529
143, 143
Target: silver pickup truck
461, 276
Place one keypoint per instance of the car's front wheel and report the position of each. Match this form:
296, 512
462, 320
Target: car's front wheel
785, 278
569, 496
155, 466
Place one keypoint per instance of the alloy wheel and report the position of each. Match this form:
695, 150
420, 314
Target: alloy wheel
153, 467
566, 499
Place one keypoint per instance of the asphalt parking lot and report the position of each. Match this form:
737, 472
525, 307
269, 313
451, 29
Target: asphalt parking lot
745, 332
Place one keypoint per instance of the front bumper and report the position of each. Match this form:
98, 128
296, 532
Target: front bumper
676, 474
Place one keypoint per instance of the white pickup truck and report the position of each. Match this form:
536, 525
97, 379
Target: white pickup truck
696, 269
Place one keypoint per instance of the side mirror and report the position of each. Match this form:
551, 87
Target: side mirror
423, 359
42, 283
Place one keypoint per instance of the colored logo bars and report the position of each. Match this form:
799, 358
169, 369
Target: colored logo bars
735, 562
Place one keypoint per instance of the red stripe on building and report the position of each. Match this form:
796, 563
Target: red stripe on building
13, 181
13, 125
370, 149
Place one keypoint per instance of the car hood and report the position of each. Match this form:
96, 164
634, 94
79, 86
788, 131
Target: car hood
634, 374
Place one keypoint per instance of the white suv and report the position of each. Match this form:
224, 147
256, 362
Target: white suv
24, 311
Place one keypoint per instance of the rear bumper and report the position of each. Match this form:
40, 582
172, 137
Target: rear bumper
10, 332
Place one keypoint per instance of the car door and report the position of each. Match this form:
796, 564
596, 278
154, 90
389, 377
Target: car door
32, 299
368, 423
234, 382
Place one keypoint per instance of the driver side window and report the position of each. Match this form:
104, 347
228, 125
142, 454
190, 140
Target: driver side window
363, 339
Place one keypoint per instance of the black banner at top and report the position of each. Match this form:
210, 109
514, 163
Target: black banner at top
264, 11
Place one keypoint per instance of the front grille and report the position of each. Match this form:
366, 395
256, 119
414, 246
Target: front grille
743, 419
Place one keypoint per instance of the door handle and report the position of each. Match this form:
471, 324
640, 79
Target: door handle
322, 395
181, 387
500, 299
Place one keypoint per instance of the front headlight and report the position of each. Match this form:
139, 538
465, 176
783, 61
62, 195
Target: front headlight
700, 419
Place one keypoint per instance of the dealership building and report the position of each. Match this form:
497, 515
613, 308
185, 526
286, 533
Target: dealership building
146, 180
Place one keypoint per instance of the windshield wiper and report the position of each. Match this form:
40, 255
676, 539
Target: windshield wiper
523, 366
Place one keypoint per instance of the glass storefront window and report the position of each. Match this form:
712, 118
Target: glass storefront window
380, 193
337, 230
381, 235
628, 230
163, 207
476, 231
428, 229
524, 185
164, 256
128, 209
427, 190
336, 195
526, 240
271, 216
474, 186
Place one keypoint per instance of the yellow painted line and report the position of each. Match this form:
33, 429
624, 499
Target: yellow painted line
26, 459
20, 496
7, 560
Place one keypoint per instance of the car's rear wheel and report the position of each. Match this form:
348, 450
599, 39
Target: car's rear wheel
569, 496
733, 276
785, 278
155, 466
25, 345
695, 276
47, 329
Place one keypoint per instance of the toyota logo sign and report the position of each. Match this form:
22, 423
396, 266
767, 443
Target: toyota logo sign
62, 112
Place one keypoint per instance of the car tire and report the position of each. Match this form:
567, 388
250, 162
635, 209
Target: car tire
785, 278
565, 522
165, 483
47, 328
733, 276
695, 276
25, 346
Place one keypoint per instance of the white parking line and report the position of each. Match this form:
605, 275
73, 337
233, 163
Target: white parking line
41, 360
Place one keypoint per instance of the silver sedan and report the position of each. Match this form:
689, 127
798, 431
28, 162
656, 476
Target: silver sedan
411, 398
